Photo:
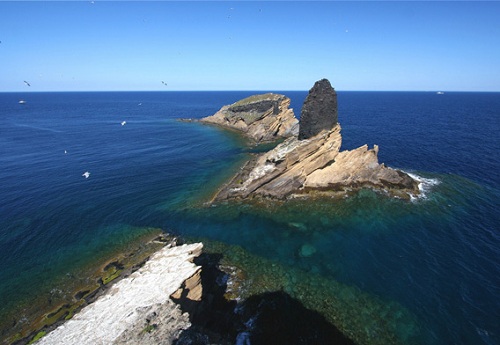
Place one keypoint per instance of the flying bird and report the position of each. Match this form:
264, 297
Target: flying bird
86, 174
164, 83
124, 123
27, 83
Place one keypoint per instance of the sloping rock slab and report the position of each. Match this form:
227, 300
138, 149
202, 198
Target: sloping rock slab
262, 118
300, 167
130, 300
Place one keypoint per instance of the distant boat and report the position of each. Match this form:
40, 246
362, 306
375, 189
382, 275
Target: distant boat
22, 101
440, 93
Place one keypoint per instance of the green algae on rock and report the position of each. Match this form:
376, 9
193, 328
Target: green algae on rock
78, 289
134, 301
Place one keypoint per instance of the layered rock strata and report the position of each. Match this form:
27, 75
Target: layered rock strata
262, 118
138, 304
316, 166
312, 163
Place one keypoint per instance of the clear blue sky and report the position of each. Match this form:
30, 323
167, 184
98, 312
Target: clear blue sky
235, 45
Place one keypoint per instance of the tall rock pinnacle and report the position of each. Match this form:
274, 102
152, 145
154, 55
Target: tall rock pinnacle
319, 111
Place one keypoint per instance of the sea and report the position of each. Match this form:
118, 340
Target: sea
437, 256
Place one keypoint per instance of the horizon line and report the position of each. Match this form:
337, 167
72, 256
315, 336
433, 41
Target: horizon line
248, 90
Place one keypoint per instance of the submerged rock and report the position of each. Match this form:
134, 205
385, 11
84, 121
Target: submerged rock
282, 304
307, 250
262, 118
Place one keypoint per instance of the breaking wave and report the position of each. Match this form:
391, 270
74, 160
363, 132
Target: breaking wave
425, 185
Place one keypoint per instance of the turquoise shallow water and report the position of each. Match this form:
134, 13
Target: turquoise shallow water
436, 257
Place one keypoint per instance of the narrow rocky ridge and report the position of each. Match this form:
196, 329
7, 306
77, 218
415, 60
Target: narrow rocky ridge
141, 300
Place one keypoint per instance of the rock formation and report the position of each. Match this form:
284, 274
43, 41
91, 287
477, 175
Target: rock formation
138, 304
319, 111
313, 164
262, 118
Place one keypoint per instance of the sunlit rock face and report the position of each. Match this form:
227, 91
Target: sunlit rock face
317, 166
144, 295
262, 118
319, 111
312, 163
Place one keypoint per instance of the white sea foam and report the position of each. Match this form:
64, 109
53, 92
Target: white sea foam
425, 185
243, 338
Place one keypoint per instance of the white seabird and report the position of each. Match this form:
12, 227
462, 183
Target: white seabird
86, 174
124, 123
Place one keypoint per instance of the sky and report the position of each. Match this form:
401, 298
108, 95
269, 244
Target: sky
249, 45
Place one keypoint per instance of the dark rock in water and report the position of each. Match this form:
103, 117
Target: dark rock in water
319, 111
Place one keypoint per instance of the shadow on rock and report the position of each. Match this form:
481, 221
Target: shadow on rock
277, 318
212, 318
268, 318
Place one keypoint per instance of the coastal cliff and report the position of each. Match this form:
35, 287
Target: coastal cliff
311, 162
262, 118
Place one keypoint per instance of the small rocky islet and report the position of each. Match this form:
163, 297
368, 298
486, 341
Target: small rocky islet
309, 162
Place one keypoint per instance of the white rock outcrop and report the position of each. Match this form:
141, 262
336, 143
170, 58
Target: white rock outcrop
128, 302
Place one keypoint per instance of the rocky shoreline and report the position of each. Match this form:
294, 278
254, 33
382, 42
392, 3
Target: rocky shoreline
183, 295
79, 288
137, 305
214, 293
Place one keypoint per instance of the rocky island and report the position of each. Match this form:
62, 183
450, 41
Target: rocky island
262, 118
309, 162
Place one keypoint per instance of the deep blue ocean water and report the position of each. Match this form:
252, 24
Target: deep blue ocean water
437, 256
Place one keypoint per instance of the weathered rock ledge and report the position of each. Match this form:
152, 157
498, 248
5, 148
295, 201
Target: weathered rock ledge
316, 166
312, 163
262, 118
138, 304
